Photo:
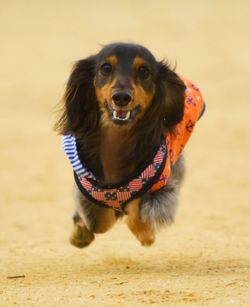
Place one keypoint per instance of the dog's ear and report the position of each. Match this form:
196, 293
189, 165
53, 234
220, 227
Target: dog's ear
170, 90
80, 111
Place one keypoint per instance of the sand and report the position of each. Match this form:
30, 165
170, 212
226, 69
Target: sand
204, 258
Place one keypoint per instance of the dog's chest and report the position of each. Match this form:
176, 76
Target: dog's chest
113, 146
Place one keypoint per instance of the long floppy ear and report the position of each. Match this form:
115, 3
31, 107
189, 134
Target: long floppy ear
80, 111
170, 89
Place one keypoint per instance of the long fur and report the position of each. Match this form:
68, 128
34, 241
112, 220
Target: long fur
80, 110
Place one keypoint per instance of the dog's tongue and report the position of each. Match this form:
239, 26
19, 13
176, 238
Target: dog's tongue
121, 113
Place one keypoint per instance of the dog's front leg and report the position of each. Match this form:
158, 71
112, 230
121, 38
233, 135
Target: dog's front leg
154, 211
89, 219
141, 227
81, 236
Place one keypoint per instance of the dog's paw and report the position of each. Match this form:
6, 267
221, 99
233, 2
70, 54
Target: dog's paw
147, 238
142, 230
81, 236
141, 227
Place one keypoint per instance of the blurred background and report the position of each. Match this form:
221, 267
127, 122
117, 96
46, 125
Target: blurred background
39, 43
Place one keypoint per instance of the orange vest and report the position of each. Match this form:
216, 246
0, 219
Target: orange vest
194, 107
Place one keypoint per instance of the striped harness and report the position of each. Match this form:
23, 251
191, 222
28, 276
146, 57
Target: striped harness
114, 195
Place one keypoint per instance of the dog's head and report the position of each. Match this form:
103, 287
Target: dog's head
122, 85
124, 82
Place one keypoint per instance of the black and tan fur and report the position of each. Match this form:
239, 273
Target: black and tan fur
113, 148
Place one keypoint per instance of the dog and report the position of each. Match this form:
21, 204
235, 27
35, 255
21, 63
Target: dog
125, 120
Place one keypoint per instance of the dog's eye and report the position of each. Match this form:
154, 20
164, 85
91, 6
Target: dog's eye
106, 69
143, 73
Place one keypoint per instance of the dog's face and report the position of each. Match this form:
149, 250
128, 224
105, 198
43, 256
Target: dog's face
124, 82
122, 85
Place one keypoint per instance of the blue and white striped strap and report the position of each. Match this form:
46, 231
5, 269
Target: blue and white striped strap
70, 148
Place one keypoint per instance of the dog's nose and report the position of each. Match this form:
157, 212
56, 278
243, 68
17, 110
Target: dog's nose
121, 99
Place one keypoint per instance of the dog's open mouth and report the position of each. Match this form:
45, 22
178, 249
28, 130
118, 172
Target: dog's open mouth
120, 116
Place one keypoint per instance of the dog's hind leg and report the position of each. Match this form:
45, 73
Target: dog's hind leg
89, 219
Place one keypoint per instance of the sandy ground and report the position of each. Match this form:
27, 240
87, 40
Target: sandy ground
204, 258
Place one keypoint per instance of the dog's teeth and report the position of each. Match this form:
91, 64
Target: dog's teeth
127, 116
116, 115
